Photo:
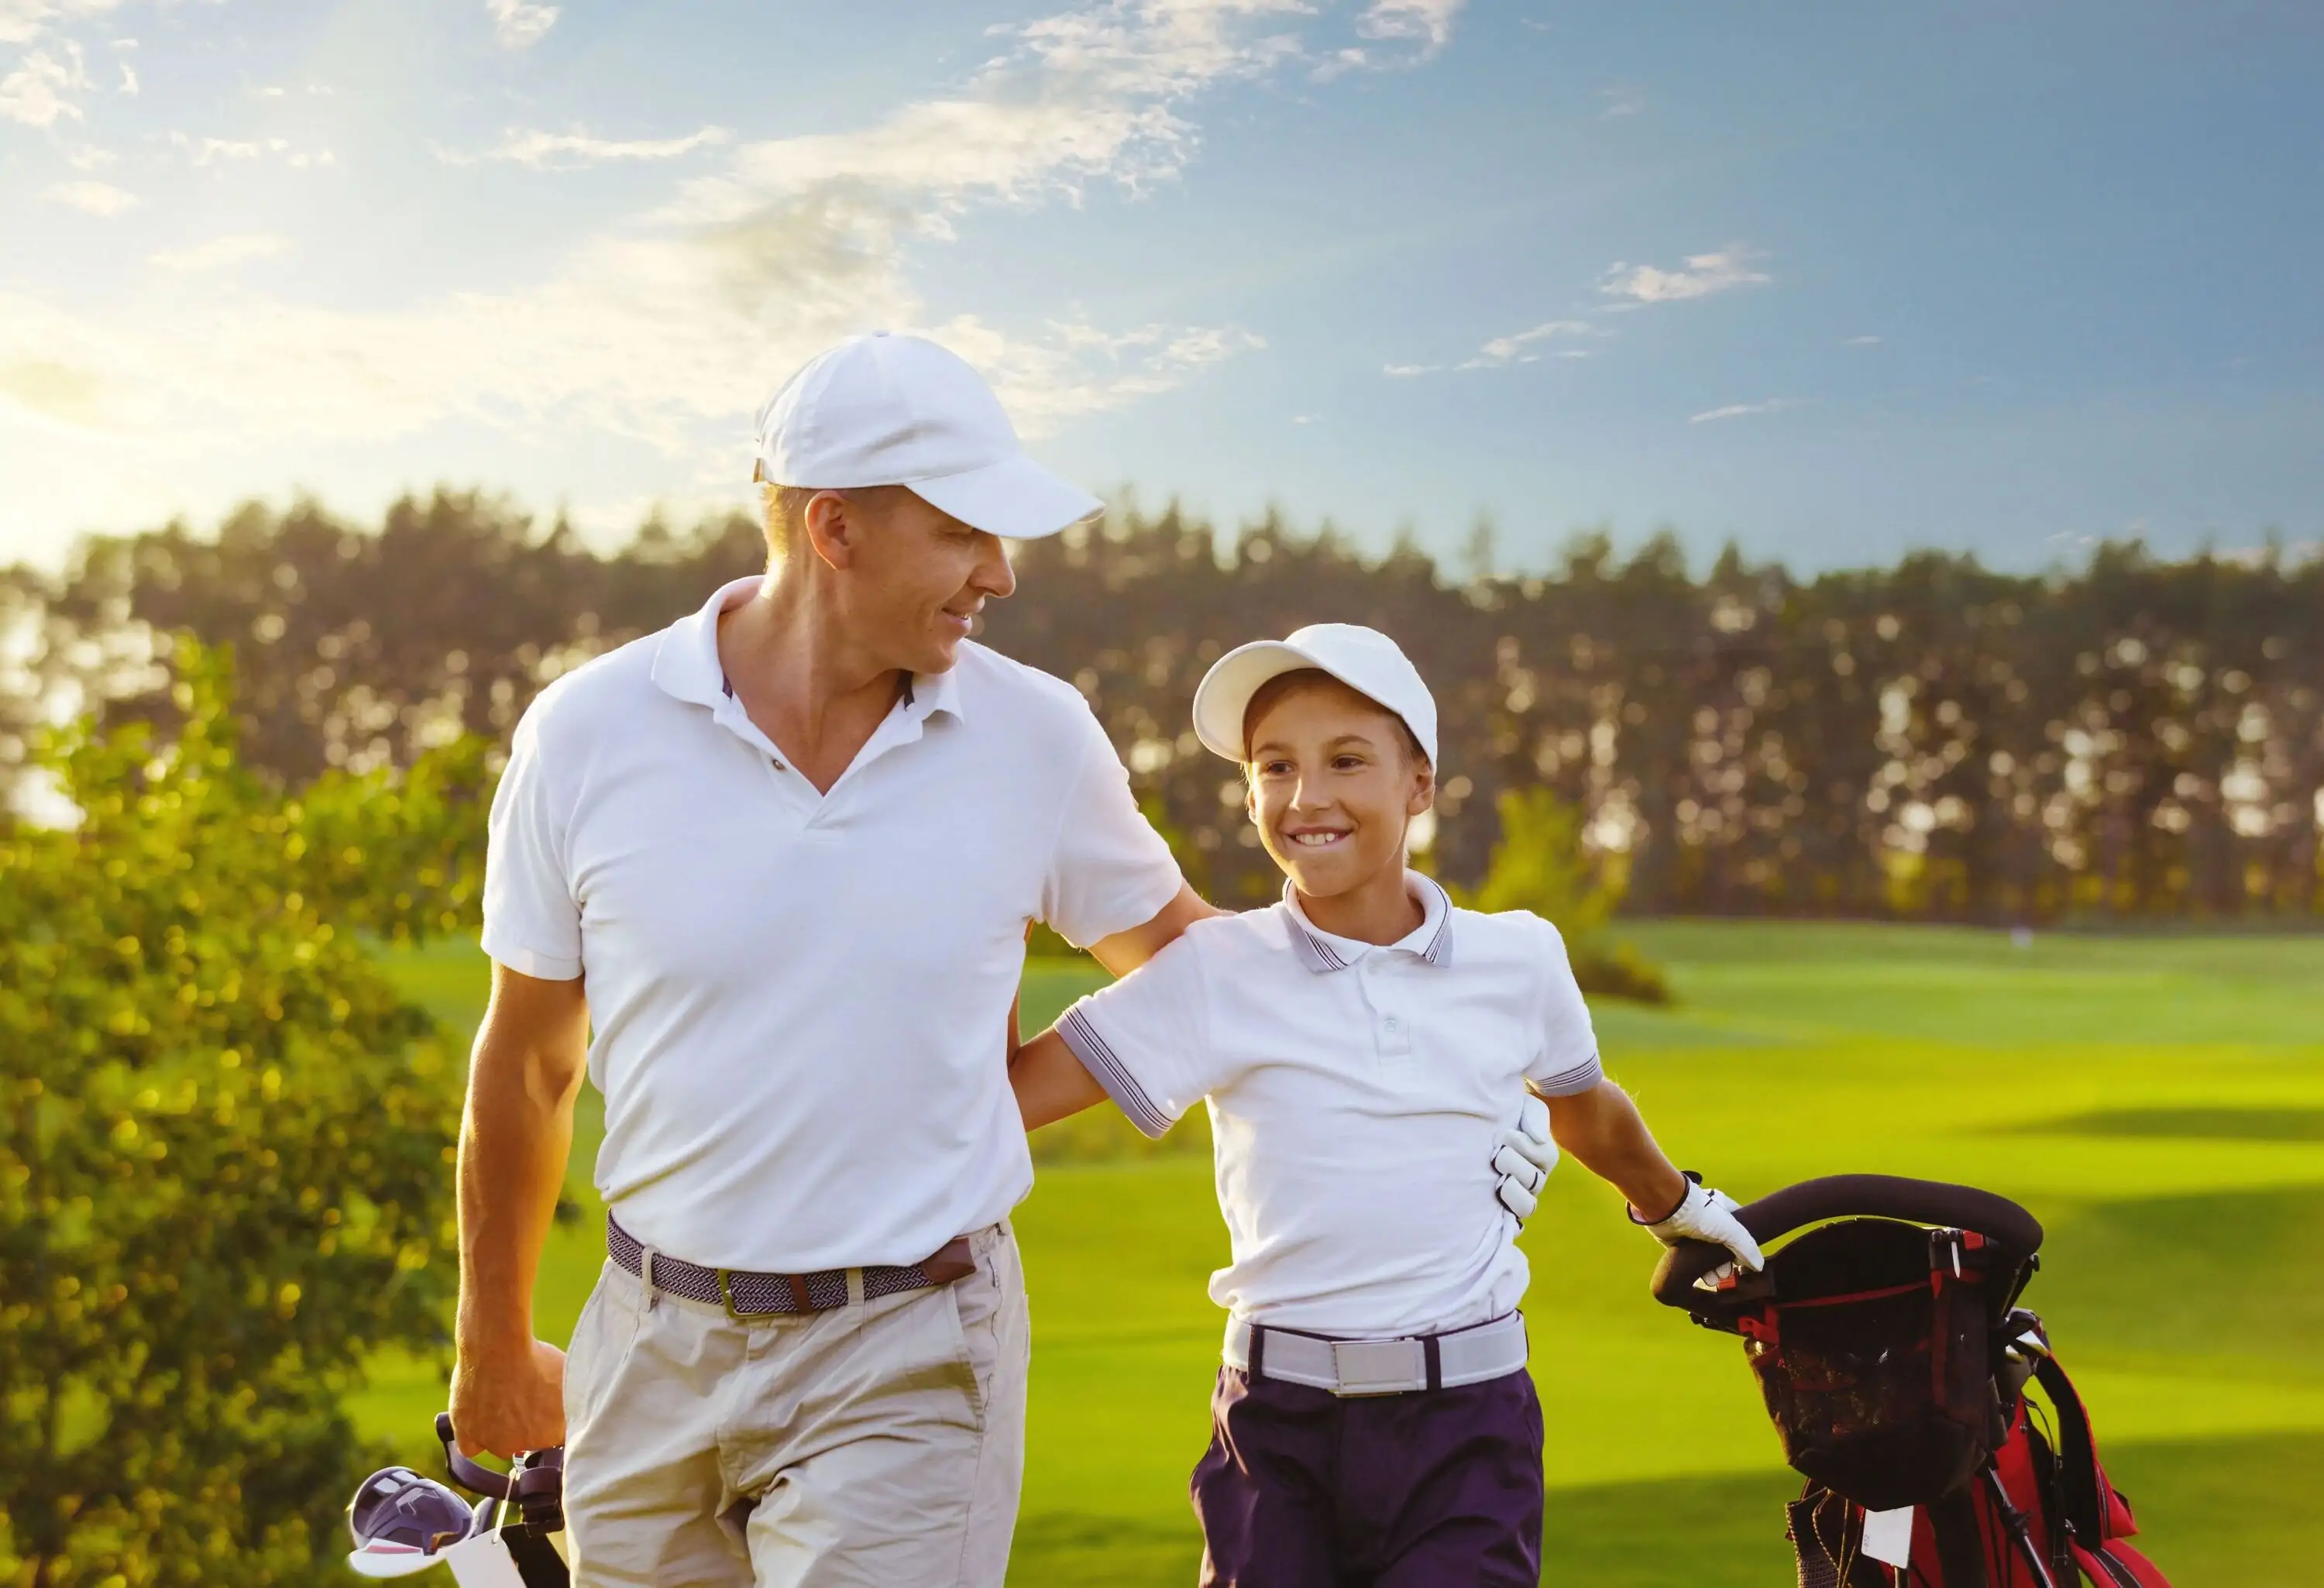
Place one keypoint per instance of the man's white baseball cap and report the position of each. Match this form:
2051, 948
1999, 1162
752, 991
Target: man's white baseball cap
1365, 660
893, 409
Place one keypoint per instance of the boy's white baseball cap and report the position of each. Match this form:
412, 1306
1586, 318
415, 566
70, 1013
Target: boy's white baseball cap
1365, 660
893, 409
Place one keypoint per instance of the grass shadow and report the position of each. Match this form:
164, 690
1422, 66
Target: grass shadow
2216, 1124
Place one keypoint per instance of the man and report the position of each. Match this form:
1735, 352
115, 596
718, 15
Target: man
782, 856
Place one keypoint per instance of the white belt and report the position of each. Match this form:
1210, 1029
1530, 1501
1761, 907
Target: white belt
1380, 1367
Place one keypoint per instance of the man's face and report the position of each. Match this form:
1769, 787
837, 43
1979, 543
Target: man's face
916, 577
1333, 785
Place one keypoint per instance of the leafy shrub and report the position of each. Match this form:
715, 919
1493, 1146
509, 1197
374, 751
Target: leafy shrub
224, 1146
1539, 864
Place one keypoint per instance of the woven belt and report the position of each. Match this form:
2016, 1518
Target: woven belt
1378, 1367
747, 1295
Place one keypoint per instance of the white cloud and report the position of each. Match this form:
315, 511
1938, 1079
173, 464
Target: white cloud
101, 199
1701, 275
665, 329
1515, 349
1620, 100
221, 252
1742, 410
576, 149
1863, 342
519, 24
22, 21
1428, 21
128, 79
35, 92
226, 151
1406, 371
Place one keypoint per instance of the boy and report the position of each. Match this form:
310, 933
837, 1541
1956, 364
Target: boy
1361, 1046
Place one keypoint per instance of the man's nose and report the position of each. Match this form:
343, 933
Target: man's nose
993, 576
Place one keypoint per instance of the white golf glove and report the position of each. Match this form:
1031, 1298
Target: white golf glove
1704, 1215
1524, 1157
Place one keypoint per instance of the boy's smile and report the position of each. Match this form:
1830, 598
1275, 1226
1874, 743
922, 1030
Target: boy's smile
1333, 785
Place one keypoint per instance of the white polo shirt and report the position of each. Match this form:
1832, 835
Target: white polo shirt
800, 1000
1357, 1094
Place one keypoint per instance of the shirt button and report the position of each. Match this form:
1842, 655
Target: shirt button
1389, 1022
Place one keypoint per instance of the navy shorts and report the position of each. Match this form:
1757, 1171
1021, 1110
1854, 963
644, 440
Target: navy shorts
1304, 1488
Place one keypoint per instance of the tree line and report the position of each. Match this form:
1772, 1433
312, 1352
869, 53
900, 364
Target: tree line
2136, 738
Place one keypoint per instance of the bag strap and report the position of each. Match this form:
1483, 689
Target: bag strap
1960, 1538
2081, 1484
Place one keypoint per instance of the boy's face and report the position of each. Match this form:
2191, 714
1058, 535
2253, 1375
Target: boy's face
1333, 784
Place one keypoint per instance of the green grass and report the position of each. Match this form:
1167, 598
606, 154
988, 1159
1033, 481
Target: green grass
2159, 1101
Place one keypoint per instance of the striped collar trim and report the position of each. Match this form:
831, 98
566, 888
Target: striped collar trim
1322, 951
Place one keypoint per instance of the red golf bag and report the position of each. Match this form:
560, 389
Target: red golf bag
1894, 1361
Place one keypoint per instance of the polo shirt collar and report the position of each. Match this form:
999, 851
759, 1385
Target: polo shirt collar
686, 666
1431, 941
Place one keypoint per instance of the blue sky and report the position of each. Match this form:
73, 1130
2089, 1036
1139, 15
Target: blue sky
1829, 280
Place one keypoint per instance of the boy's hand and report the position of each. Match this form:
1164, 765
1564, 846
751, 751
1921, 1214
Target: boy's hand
1704, 1215
1523, 1160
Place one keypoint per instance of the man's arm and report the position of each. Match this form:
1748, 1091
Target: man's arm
530, 1059
1124, 952
1049, 1081
1603, 1129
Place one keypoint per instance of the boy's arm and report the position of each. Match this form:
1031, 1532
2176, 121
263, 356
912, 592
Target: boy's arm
1603, 1129
1048, 1080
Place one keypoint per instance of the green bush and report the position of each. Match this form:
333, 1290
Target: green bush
1539, 864
224, 1146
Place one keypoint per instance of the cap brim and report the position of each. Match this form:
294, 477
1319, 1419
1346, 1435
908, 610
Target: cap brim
1223, 696
1015, 499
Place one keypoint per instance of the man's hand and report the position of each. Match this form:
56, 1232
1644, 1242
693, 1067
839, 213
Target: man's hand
508, 1407
1124, 952
1704, 1215
1524, 1157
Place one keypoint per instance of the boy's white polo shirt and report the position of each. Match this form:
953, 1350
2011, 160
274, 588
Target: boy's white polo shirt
800, 1000
1356, 1093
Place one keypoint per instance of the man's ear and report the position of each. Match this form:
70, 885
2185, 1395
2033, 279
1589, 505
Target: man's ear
832, 529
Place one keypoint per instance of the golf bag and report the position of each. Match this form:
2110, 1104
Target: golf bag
1894, 1360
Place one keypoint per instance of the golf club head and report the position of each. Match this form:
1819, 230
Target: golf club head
401, 1523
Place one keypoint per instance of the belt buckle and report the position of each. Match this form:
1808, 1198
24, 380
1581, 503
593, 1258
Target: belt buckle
726, 1295
1378, 1367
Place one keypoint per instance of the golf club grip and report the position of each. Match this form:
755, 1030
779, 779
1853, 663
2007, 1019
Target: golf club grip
1837, 1196
467, 1473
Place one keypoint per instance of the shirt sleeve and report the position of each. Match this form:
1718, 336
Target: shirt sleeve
1108, 870
1567, 1059
1146, 1039
532, 921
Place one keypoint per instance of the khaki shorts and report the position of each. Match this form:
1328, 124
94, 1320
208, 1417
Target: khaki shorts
881, 1444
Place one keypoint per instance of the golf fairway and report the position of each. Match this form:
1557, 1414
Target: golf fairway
2157, 1101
